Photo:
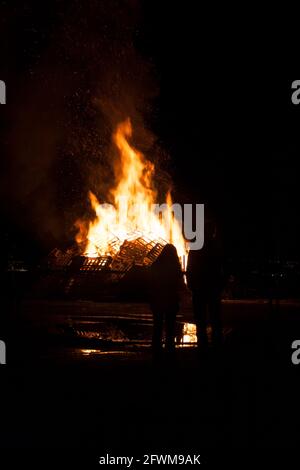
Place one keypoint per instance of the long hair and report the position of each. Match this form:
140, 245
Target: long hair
168, 258
166, 277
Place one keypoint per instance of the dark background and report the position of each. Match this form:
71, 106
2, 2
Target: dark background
203, 106
214, 115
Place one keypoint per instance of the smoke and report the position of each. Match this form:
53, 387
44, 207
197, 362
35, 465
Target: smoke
84, 76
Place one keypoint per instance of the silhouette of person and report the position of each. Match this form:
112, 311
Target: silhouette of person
166, 279
205, 279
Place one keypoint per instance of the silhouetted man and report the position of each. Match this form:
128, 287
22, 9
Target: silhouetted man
165, 283
205, 279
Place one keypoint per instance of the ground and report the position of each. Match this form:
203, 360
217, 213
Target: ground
71, 390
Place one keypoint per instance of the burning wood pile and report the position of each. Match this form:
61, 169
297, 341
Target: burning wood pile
133, 252
105, 275
128, 233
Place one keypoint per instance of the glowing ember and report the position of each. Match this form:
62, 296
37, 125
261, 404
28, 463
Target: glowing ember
131, 215
89, 351
189, 333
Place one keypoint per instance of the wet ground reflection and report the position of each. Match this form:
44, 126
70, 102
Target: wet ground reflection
86, 330
121, 333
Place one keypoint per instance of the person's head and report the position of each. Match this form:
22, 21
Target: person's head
210, 230
168, 254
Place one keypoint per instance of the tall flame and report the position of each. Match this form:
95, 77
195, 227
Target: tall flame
131, 215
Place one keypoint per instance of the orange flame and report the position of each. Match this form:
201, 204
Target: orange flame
189, 333
131, 215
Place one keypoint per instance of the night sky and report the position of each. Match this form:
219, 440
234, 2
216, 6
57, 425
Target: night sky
208, 114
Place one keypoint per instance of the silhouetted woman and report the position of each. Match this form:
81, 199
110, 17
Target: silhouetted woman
165, 283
